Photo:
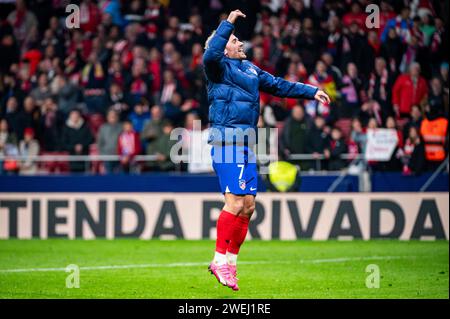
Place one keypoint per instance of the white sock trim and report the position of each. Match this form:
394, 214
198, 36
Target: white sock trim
220, 259
231, 258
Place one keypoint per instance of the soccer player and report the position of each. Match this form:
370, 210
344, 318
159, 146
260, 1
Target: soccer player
233, 85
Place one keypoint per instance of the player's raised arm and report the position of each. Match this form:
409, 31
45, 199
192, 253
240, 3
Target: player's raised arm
282, 88
215, 45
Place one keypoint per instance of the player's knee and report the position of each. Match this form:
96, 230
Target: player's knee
249, 209
237, 206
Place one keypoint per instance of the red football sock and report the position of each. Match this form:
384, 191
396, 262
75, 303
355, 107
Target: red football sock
238, 233
224, 227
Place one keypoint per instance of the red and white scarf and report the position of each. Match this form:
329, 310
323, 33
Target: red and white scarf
383, 83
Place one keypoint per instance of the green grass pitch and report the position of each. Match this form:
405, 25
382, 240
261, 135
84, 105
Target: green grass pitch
268, 269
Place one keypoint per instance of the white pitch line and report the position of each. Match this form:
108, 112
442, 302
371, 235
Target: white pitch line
172, 265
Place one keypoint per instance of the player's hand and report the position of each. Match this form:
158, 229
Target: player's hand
232, 17
322, 97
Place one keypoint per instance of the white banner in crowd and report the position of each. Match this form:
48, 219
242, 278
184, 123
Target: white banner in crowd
315, 216
380, 144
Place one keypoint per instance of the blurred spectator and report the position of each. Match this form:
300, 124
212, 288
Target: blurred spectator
294, 134
324, 81
414, 121
93, 79
309, 44
8, 147
356, 15
437, 96
107, 139
28, 147
413, 153
379, 86
128, 145
12, 115
438, 44
370, 110
28, 117
391, 123
9, 52
259, 61
116, 101
400, 24
352, 86
89, 16
67, 94
197, 56
428, 29
357, 50
409, 89
139, 83
394, 163
373, 51
411, 54
162, 148
76, 138
387, 13
22, 20
139, 116
169, 86
317, 139
116, 74
358, 135
332, 69
155, 70
134, 11
443, 75
152, 130
335, 149
172, 108
372, 123
42, 91
51, 124
392, 50
296, 72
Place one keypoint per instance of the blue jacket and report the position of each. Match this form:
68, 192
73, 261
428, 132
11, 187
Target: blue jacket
233, 88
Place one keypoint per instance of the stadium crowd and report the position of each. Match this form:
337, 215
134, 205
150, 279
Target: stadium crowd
132, 72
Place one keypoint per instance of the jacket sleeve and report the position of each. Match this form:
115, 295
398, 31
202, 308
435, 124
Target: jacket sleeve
214, 54
282, 88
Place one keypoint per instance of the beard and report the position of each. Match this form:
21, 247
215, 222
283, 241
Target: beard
237, 54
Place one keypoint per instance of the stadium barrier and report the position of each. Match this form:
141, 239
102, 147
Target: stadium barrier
288, 216
64, 157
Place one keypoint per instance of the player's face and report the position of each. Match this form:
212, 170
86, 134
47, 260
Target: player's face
235, 48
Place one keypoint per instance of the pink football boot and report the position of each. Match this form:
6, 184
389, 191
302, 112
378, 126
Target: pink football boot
223, 275
233, 271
